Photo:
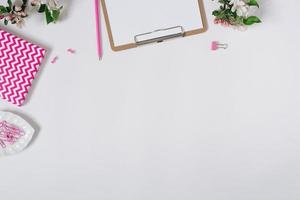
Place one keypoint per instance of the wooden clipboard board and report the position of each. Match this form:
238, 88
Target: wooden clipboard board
130, 45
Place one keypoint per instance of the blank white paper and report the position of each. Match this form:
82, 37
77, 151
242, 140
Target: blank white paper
132, 17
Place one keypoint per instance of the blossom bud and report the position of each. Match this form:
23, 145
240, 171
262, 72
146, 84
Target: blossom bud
18, 8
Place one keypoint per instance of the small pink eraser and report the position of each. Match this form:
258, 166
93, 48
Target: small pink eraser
214, 45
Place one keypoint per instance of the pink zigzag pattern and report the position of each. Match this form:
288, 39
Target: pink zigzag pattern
19, 63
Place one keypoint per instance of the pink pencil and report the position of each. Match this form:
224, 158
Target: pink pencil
98, 29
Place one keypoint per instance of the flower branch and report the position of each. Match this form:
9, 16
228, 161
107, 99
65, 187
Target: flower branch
236, 13
15, 13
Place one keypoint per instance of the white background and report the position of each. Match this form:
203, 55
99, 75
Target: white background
171, 121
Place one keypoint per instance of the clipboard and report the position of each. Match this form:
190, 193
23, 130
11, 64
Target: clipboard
133, 23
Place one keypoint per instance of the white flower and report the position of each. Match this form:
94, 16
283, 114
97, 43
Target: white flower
35, 2
241, 7
18, 8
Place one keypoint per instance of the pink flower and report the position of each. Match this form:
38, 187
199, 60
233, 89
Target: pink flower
10, 17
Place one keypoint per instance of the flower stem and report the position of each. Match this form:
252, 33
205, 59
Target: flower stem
24, 5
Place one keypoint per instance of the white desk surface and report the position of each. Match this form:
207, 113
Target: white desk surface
171, 121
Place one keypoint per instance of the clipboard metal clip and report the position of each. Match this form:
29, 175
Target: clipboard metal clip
159, 35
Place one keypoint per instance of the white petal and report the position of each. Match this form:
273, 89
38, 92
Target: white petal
239, 12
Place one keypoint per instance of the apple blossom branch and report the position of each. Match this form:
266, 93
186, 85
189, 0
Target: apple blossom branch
15, 12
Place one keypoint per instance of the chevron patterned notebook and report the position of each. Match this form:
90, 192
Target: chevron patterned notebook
19, 63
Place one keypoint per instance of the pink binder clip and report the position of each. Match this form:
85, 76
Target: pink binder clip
9, 134
54, 59
216, 45
72, 51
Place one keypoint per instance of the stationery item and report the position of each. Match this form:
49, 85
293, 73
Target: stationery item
72, 51
15, 133
132, 23
53, 61
216, 45
9, 134
19, 63
98, 29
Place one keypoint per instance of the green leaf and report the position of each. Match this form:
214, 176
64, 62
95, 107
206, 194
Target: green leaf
55, 14
222, 15
216, 13
239, 20
9, 3
8, 9
251, 20
5, 22
48, 15
42, 8
253, 3
228, 11
224, 1
2, 10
